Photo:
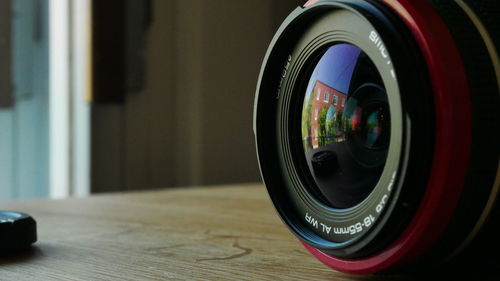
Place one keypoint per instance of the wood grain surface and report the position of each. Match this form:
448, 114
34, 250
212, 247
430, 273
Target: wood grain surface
214, 233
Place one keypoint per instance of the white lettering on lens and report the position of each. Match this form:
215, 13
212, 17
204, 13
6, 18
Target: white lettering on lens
368, 221
283, 75
326, 228
375, 38
378, 42
355, 228
341, 230
359, 227
311, 220
391, 183
382, 203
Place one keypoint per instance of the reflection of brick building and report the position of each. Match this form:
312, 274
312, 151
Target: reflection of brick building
324, 97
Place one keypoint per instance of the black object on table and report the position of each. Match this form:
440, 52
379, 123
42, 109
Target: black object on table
17, 231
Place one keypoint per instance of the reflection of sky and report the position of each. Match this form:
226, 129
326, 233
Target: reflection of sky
335, 68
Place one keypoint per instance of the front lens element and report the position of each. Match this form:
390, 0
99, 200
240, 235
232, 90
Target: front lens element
345, 126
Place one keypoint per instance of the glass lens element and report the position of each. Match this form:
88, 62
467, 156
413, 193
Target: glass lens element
345, 126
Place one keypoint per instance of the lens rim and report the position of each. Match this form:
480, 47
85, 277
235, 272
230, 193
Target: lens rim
418, 22
421, 23
358, 220
277, 68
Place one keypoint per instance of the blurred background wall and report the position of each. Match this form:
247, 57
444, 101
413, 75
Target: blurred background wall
143, 94
191, 123
24, 99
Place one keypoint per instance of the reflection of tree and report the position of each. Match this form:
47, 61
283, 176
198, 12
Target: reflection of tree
345, 124
336, 129
306, 123
331, 130
322, 128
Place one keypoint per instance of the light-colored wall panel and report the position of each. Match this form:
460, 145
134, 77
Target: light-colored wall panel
24, 126
31, 92
6, 155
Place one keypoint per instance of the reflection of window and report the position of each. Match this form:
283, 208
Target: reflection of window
316, 112
335, 100
343, 102
319, 94
316, 133
327, 97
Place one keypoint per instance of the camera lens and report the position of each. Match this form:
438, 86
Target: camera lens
345, 125
377, 132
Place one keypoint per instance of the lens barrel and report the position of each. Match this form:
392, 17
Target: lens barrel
377, 130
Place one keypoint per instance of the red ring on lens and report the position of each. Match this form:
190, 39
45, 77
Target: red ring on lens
452, 145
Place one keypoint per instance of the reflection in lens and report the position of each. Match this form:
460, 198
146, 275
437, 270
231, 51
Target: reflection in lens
373, 128
345, 126
375, 132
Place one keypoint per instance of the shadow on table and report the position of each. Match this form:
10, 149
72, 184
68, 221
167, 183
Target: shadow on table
480, 275
479, 272
430, 276
20, 256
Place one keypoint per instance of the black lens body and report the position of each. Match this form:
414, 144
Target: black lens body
347, 124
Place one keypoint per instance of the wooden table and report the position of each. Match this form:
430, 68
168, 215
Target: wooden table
214, 233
